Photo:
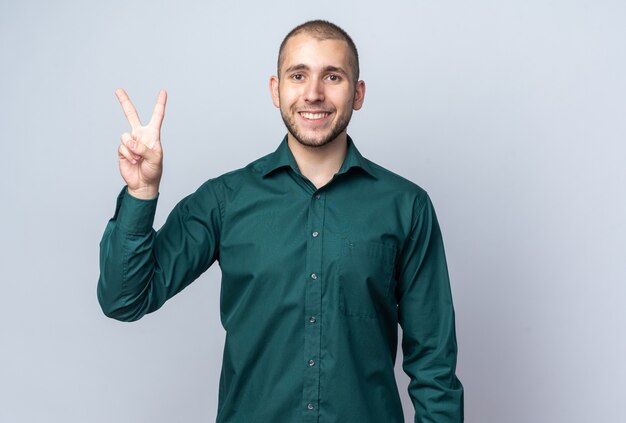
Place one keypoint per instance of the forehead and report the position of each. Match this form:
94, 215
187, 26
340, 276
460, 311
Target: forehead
305, 49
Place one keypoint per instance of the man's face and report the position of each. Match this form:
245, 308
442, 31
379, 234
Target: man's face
316, 92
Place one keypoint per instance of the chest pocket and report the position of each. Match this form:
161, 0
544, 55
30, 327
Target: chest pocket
365, 272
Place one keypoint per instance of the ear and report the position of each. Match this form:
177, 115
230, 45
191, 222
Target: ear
359, 95
274, 91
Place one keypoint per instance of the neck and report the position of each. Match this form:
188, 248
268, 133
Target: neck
319, 164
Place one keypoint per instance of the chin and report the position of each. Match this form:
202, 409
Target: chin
317, 141
308, 142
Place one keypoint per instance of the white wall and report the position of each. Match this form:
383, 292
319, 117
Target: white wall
510, 113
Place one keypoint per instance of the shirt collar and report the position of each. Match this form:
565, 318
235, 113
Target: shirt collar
283, 157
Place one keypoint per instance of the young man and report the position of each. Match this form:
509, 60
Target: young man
323, 253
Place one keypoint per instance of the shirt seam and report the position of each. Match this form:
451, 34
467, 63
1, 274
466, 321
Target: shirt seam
222, 207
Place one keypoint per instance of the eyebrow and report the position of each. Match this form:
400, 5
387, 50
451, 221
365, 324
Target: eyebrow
329, 68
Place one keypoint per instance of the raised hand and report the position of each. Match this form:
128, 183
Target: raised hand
140, 152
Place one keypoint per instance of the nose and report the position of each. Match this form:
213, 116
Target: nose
314, 91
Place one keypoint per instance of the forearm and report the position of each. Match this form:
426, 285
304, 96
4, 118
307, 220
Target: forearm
127, 264
436, 392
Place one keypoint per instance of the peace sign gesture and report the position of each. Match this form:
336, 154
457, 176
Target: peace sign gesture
140, 152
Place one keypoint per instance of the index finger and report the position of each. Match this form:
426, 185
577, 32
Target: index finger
129, 109
159, 110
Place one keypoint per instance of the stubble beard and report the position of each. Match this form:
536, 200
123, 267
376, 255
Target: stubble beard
337, 128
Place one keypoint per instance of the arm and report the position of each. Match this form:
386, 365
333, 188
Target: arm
426, 315
140, 268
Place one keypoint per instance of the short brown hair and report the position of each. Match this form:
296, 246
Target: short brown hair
323, 30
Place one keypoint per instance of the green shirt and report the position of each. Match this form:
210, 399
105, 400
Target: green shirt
314, 285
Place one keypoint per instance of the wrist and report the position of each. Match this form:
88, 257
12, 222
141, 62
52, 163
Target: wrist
144, 193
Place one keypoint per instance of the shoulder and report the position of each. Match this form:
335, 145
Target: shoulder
234, 180
396, 185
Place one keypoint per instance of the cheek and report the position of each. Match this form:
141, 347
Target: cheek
287, 98
347, 104
345, 98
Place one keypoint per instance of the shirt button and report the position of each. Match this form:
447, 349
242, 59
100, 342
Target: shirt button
313, 276
312, 319
317, 196
311, 406
311, 363
315, 234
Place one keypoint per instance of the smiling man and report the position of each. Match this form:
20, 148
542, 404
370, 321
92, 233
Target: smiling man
323, 254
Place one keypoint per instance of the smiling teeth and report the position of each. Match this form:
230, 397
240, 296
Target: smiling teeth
314, 115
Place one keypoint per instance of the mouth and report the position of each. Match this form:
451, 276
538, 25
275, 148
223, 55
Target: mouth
315, 116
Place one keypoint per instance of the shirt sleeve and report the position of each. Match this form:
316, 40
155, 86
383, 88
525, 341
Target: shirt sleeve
426, 314
140, 268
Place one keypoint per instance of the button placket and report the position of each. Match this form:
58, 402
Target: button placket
311, 393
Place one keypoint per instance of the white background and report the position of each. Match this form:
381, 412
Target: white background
511, 114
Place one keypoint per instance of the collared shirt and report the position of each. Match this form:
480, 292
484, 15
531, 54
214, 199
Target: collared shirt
314, 285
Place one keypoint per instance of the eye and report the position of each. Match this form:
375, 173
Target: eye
297, 77
334, 77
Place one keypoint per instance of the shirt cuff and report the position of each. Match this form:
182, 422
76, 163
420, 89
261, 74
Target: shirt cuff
133, 214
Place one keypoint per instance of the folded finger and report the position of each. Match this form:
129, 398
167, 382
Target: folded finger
125, 153
125, 137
